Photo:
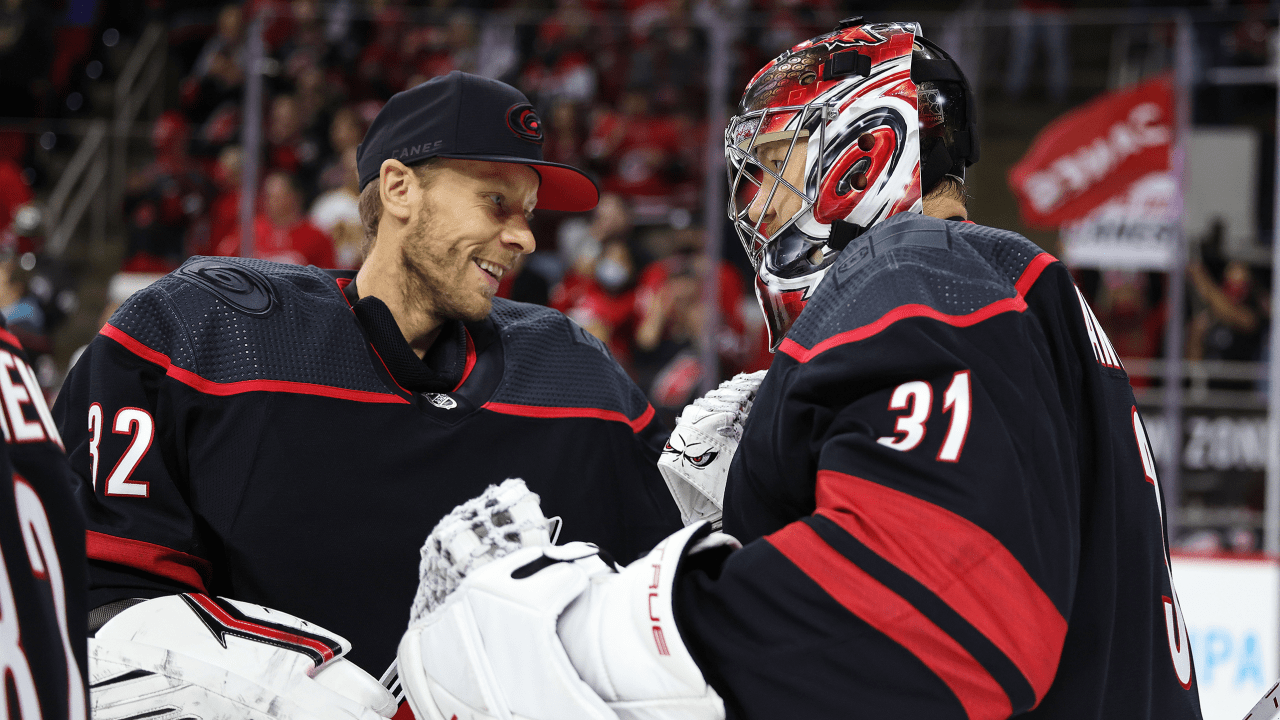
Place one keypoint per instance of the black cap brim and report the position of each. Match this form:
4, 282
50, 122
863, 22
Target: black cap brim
564, 187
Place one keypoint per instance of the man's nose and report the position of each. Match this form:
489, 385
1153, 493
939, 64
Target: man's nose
762, 204
518, 237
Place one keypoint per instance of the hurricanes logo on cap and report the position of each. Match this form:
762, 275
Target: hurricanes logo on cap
525, 123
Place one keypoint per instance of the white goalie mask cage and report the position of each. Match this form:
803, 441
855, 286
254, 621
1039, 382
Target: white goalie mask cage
847, 100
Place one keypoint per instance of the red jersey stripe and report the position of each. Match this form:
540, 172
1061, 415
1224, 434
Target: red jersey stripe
964, 565
10, 338
886, 611
1017, 303
210, 387
159, 560
566, 412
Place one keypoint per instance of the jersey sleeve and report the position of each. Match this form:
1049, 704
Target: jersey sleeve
121, 424
43, 616
933, 568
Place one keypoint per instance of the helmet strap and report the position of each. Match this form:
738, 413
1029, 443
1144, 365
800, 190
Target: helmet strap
843, 232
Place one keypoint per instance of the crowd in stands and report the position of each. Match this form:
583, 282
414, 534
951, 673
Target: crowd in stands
621, 87
616, 81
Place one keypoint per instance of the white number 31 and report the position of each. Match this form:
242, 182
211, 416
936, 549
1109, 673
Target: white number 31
916, 397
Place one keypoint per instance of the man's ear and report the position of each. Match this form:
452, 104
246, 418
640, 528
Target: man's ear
399, 189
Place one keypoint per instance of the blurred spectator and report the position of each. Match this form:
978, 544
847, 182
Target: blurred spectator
1124, 309
337, 214
224, 214
26, 54
636, 150
560, 67
227, 41
381, 69
217, 79
14, 193
346, 130
667, 341
288, 149
1039, 22
22, 311
683, 257
280, 232
579, 242
605, 300
564, 135
167, 203
279, 20
1234, 323
306, 47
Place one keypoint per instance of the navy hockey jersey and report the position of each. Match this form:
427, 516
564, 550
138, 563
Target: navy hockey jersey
949, 504
42, 565
239, 430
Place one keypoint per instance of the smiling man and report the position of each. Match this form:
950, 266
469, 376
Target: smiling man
286, 437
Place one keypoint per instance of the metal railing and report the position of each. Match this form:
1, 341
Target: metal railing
1199, 375
135, 86
79, 187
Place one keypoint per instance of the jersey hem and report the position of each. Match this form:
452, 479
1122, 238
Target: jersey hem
158, 560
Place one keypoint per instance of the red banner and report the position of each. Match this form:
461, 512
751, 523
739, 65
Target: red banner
1094, 153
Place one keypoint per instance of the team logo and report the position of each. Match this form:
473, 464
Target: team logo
243, 288
695, 453
440, 400
525, 123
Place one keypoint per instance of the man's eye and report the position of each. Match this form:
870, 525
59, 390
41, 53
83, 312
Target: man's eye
497, 199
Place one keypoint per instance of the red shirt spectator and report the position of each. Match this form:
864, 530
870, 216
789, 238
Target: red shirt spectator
14, 193
639, 147
281, 233
299, 244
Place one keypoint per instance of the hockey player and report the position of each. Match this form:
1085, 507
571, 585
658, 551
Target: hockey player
42, 567
945, 496
285, 437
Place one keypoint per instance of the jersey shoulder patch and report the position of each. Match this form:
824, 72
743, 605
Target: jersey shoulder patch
552, 361
913, 262
232, 319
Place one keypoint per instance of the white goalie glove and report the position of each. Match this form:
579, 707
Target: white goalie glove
503, 519
192, 655
695, 462
560, 633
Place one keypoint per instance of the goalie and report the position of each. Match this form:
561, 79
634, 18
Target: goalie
945, 496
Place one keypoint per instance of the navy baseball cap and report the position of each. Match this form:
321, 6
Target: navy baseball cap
470, 118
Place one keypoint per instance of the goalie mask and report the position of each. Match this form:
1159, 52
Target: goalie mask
833, 136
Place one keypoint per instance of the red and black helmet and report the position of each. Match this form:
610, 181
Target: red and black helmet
881, 114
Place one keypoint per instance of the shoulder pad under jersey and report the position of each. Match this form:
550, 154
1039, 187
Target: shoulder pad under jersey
232, 319
551, 361
935, 266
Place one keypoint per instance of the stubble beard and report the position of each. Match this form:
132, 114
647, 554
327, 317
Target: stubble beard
429, 280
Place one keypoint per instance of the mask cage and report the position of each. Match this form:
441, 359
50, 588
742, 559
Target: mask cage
746, 173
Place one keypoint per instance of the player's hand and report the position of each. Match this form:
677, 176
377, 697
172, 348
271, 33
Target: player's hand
695, 462
211, 658
560, 633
